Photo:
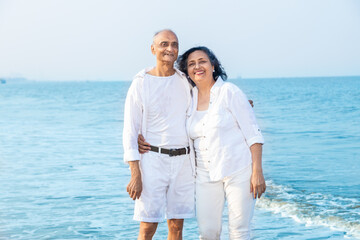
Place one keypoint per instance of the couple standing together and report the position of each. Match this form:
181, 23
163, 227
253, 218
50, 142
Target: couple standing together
193, 127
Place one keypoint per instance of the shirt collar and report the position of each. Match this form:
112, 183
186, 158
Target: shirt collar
180, 72
142, 73
216, 87
146, 70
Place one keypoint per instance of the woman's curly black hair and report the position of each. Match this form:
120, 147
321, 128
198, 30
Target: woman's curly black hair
218, 69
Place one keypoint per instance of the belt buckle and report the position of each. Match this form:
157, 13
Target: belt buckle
172, 152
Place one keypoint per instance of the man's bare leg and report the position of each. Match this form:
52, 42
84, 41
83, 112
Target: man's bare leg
175, 229
147, 230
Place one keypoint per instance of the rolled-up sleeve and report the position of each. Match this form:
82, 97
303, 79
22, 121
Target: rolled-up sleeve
132, 122
245, 117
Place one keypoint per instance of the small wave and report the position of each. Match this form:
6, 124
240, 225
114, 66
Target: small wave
337, 213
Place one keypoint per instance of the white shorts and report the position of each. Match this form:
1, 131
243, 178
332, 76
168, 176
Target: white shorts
168, 188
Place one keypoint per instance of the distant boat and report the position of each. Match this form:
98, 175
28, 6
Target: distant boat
2, 81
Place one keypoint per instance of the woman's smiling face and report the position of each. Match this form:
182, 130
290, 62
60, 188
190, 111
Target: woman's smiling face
199, 67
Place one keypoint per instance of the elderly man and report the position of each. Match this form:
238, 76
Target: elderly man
162, 180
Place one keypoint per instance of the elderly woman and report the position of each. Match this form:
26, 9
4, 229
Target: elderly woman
228, 147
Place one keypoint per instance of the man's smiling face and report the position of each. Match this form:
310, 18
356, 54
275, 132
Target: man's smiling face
165, 47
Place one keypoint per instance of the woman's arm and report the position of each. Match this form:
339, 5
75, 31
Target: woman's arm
244, 115
257, 181
242, 111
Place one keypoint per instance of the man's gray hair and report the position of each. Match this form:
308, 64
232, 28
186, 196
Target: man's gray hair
163, 30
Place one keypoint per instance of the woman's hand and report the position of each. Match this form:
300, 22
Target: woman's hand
144, 147
257, 184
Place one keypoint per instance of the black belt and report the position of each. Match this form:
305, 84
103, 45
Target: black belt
171, 152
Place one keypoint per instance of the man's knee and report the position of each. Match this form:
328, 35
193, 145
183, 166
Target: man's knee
175, 225
147, 230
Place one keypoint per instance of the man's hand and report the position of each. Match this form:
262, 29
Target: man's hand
144, 147
251, 103
134, 188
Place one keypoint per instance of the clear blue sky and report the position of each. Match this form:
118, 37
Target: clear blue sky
110, 39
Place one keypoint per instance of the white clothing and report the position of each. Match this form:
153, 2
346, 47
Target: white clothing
210, 199
197, 134
230, 129
136, 112
223, 141
168, 188
168, 182
167, 112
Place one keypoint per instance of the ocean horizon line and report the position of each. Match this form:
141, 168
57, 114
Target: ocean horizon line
22, 79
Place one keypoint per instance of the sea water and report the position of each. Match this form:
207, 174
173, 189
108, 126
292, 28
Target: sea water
62, 174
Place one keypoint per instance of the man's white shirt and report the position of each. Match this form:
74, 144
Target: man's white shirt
167, 112
140, 115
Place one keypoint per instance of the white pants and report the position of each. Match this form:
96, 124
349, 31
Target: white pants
210, 199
